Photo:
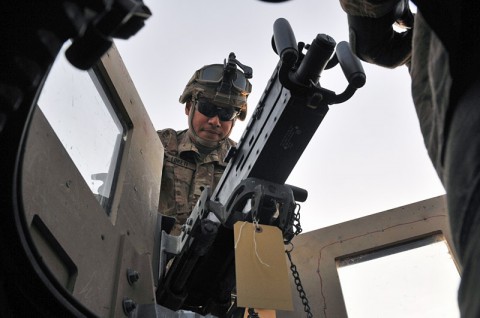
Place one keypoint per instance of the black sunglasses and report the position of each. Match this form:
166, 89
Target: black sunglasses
211, 110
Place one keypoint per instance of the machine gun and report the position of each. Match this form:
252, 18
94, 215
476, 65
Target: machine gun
201, 277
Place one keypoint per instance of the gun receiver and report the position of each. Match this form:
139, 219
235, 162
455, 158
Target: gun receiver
202, 275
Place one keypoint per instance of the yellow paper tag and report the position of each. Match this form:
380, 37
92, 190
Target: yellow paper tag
261, 267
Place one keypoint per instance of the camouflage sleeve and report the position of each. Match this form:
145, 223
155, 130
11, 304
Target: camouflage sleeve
168, 137
368, 8
164, 135
231, 143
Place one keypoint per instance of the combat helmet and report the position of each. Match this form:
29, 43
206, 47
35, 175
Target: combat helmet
224, 84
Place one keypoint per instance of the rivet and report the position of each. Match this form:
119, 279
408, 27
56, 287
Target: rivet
128, 305
132, 276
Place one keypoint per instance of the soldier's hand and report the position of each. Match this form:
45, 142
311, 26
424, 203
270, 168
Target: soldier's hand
372, 36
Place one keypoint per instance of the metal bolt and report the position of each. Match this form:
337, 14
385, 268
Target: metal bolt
128, 305
132, 276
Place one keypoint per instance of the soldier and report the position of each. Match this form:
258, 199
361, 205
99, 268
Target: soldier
442, 55
194, 158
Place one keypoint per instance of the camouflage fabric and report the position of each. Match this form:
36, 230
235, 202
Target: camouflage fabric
430, 84
445, 88
186, 172
371, 9
235, 98
431, 88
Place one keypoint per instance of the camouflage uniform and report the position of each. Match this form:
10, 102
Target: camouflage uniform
192, 163
444, 66
186, 171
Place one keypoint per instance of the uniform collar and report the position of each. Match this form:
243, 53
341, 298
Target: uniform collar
186, 147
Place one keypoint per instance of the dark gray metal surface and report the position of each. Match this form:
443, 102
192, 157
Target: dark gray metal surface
87, 250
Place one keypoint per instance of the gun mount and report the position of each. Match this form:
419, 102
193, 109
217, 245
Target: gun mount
201, 277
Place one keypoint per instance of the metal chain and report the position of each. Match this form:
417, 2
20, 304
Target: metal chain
298, 283
293, 267
296, 220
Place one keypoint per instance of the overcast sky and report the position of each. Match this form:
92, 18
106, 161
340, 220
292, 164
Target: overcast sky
367, 156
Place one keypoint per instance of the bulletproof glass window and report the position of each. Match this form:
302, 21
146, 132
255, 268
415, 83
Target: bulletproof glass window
80, 110
418, 277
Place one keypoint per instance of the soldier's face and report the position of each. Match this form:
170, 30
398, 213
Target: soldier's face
208, 128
